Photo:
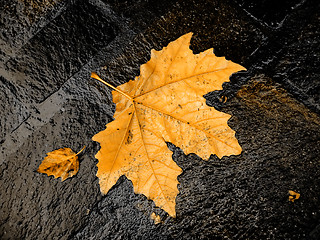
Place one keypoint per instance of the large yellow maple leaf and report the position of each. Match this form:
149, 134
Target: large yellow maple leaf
165, 104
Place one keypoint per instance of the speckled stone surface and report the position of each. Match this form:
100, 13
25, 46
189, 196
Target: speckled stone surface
47, 100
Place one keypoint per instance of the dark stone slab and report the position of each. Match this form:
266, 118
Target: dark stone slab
14, 111
269, 12
60, 50
297, 67
289, 54
21, 20
48, 60
138, 14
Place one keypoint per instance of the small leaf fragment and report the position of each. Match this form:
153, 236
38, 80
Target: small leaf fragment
293, 196
62, 163
156, 218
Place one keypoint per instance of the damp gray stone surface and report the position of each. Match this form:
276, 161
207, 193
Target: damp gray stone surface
48, 101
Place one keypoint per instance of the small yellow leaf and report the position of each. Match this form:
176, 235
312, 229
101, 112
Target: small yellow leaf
293, 196
62, 163
156, 218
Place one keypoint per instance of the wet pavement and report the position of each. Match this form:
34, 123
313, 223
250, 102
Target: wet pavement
47, 100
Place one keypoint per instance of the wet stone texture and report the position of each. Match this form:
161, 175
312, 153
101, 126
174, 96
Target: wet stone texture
22, 19
48, 101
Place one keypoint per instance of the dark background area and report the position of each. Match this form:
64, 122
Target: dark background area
49, 48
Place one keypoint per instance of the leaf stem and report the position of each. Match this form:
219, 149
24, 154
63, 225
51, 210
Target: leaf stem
81, 150
95, 76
